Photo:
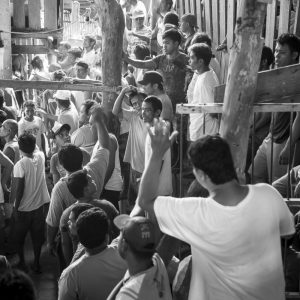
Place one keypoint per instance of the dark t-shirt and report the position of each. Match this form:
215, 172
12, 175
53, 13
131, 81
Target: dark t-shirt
281, 128
174, 74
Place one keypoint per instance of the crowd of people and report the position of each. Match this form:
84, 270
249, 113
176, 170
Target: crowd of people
104, 200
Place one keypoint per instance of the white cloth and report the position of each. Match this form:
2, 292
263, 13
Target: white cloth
135, 148
165, 187
236, 249
84, 137
92, 277
203, 92
35, 127
35, 189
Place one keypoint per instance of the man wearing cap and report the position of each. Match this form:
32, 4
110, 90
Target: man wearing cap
66, 111
140, 35
146, 277
68, 64
89, 55
188, 27
153, 85
95, 274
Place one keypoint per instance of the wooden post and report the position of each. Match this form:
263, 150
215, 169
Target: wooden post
5, 51
50, 14
75, 19
34, 14
19, 14
112, 24
242, 78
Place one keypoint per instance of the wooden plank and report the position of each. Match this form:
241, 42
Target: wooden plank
272, 85
50, 14
297, 19
215, 23
55, 85
199, 15
230, 22
217, 108
222, 12
207, 10
34, 14
270, 24
284, 16
5, 25
186, 6
19, 13
38, 35
29, 49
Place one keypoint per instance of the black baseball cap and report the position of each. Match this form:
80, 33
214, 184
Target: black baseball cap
151, 77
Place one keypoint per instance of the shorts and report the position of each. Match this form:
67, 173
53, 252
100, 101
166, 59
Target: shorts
30, 221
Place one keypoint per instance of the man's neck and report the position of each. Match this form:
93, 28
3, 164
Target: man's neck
28, 155
158, 92
189, 33
28, 119
8, 138
88, 49
96, 250
173, 55
230, 193
135, 267
203, 70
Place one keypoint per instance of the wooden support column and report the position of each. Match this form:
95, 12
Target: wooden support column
19, 14
5, 51
50, 14
34, 14
112, 24
240, 90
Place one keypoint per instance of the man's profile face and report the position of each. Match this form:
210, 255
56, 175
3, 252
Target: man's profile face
29, 112
63, 137
81, 72
169, 46
194, 61
72, 224
136, 103
148, 88
283, 56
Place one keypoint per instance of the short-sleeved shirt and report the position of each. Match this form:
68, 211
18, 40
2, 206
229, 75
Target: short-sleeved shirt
236, 249
203, 92
35, 127
69, 116
167, 108
61, 198
281, 128
135, 149
35, 189
92, 276
174, 74
83, 137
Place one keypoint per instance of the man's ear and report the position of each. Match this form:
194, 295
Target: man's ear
157, 113
295, 55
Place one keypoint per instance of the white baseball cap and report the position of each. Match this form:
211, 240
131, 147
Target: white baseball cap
62, 95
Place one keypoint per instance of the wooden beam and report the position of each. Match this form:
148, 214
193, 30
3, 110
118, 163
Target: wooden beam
239, 95
19, 14
54, 85
276, 85
37, 35
5, 51
50, 14
34, 14
29, 49
217, 108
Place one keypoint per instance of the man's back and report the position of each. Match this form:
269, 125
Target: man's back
92, 276
236, 249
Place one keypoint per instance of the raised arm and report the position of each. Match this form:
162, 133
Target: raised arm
141, 64
118, 103
160, 142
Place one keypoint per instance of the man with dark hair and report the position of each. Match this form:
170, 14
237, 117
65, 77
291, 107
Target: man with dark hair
151, 110
84, 136
95, 274
153, 85
188, 27
30, 123
146, 277
277, 141
231, 228
15, 284
203, 91
172, 65
30, 195
135, 149
70, 157
83, 187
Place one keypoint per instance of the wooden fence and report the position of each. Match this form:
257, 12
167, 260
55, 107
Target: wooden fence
218, 17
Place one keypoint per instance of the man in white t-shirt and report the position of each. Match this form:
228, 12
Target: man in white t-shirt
89, 55
31, 123
29, 195
151, 110
234, 233
203, 92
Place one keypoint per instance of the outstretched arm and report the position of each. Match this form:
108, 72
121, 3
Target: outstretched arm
141, 64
